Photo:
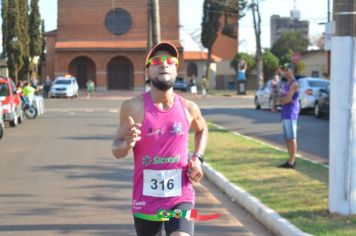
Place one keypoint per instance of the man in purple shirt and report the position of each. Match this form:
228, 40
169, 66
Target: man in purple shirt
290, 110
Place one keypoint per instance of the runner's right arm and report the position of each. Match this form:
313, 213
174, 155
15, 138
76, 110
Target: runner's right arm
127, 134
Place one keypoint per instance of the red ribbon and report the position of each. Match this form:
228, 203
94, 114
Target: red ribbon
194, 215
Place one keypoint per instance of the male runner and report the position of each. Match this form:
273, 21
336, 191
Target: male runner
156, 126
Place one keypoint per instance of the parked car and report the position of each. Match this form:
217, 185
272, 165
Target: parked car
308, 89
2, 126
180, 84
11, 102
322, 102
65, 86
263, 97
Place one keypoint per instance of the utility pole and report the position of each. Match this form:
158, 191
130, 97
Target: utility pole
257, 26
149, 25
327, 38
342, 150
329, 13
156, 27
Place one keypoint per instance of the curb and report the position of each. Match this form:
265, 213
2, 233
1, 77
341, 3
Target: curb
264, 214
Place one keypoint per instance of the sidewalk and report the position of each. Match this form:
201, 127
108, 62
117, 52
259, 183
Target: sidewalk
110, 94
125, 94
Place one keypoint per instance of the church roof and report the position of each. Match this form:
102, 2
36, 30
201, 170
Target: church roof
199, 56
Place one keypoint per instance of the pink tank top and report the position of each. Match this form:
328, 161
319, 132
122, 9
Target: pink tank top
161, 159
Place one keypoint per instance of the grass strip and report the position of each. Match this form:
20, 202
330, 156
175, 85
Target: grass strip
299, 195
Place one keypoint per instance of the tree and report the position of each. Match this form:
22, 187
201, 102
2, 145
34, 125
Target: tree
24, 37
35, 34
235, 7
34, 30
299, 67
294, 41
14, 47
231, 9
4, 26
270, 63
43, 47
286, 58
43, 41
257, 27
210, 27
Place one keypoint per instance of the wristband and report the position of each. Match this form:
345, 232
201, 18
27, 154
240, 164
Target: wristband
199, 156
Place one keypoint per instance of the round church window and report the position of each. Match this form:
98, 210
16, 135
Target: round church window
118, 21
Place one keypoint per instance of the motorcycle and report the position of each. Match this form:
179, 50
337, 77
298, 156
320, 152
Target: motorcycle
28, 109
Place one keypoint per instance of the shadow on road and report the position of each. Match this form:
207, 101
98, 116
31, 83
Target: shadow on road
98, 229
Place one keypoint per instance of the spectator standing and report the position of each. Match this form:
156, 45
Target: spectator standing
242, 70
90, 88
290, 111
19, 86
47, 86
204, 86
193, 85
34, 82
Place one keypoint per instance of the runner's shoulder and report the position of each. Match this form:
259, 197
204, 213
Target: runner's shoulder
134, 102
134, 107
191, 106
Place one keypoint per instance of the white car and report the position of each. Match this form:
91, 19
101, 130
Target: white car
308, 90
65, 86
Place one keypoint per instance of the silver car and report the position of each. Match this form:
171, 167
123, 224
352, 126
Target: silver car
308, 90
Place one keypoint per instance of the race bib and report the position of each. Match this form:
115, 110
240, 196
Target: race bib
162, 183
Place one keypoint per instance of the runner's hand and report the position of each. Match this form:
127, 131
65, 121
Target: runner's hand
133, 133
195, 172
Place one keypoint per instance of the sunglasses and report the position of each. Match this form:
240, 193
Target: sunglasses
159, 60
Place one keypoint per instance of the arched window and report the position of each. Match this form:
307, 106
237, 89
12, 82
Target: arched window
83, 68
120, 73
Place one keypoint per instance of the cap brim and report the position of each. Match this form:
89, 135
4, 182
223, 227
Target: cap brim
163, 46
286, 66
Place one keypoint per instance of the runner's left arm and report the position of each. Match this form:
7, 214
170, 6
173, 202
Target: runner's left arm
200, 130
198, 124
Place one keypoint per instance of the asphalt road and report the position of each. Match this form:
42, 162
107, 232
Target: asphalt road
58, 176
237, 113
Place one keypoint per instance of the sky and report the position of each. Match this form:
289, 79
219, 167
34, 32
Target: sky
191, 19
191, 15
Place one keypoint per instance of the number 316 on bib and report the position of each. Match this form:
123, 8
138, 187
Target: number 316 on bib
162, 183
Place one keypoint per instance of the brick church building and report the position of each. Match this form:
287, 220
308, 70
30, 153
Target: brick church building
106, 41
